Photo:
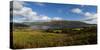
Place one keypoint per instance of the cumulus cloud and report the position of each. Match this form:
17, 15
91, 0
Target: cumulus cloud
17, 5
91, 21
45, 18
25, 12
20, 10
40, 4
89, 17
28, 14
57, 18
88, 14
76, 10
41, 18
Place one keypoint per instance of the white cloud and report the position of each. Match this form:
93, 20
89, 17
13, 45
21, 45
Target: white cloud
93, 21
76, 10
20, 10
46, 18
88, 14
28, 14
25, 12
90, 18
17, 5
41, 18
57, 18
40, 4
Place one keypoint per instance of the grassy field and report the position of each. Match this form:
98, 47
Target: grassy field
27, 38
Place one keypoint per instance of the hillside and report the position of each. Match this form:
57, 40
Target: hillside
54, 24
68, 24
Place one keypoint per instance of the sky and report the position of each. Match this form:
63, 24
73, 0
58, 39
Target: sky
37, 11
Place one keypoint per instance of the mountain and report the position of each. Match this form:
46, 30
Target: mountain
54, 24
18, 24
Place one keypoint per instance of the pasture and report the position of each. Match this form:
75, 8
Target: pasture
28, 38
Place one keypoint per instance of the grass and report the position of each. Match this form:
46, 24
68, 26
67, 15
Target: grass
27, 38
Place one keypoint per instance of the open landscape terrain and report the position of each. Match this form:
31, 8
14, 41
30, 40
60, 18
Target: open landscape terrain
26, 37
39, 24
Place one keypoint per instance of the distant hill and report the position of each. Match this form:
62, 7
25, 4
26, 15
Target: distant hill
54, 24
60, 23
19, 24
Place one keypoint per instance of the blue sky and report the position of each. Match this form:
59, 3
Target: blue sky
55, 11
61, 10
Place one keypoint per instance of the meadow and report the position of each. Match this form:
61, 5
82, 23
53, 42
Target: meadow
28, 38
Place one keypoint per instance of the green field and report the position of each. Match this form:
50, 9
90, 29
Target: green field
28, 38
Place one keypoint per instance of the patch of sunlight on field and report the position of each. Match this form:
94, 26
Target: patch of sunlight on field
27, 38
23, 39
